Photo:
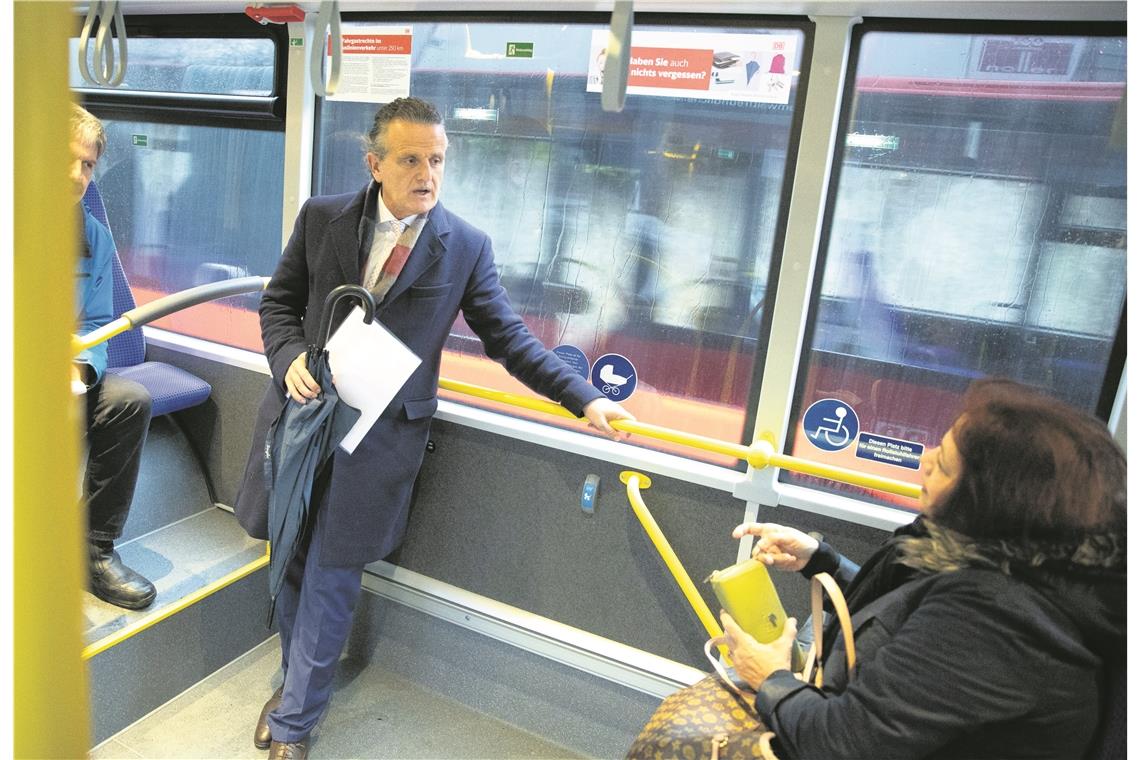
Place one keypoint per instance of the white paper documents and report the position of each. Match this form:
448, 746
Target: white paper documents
369, 365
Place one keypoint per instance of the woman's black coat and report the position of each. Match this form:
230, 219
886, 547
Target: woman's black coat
983, 651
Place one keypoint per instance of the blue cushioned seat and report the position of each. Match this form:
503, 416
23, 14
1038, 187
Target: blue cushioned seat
171, 388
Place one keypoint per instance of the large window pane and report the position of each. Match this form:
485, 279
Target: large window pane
192, 205
977, 228
647, 233
204, 65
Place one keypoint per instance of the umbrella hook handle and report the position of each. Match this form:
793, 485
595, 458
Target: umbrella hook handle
334, 297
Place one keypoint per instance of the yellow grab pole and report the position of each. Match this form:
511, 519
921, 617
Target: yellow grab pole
49, 700
760, 455
634, 482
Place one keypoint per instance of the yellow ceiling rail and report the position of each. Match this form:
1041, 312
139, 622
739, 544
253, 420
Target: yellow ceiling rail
760, 454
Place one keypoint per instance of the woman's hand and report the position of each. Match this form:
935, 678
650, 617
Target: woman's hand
778, 546
754, 661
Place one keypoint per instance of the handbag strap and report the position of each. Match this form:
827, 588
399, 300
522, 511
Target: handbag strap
722, 672
821, 582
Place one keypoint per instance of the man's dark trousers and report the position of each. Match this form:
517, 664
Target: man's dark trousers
118, 414
314, 616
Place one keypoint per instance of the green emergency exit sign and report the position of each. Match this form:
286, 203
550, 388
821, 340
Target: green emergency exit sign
138, 140
520, 50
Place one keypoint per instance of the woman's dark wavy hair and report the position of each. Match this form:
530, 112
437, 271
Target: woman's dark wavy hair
1032, 468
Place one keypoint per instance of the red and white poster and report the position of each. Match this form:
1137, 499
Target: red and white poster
376, 64
747, 67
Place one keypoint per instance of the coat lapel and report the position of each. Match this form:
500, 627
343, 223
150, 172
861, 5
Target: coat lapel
426, 252
344, 236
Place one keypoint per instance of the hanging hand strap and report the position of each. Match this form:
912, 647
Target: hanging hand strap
821, 582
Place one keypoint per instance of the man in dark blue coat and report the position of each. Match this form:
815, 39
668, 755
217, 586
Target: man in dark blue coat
424, 265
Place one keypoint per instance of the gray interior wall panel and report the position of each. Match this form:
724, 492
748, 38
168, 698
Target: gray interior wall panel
169, 487
501, 517
222, 427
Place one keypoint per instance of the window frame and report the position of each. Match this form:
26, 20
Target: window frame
658, 20
261, 112
1112, 386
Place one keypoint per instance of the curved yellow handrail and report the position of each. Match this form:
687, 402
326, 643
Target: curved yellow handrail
633, 484
166, 305
760, 454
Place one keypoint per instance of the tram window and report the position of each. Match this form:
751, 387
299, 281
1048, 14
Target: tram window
192, 176
189, 205
977, 228
647, 233
203, 65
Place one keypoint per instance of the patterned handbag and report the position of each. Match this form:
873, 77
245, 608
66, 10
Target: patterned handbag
714, 719
705, 720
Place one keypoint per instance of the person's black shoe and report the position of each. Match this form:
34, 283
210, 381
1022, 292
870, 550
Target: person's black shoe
114, 582
289, 750
261, 736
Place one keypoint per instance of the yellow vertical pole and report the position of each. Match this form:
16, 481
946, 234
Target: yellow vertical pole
49, 678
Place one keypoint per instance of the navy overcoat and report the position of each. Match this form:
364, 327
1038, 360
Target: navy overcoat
451, 268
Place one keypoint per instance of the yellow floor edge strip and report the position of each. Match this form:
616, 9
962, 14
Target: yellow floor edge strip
158, 616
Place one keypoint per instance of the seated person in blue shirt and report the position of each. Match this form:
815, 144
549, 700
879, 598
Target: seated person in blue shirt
118, 409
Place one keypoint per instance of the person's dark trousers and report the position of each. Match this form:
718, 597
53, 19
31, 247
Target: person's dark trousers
314, 616
118, 414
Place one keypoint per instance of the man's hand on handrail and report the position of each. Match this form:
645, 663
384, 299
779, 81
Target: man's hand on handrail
600, 411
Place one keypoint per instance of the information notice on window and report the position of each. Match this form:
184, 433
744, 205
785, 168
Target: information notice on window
376, 64
747, 67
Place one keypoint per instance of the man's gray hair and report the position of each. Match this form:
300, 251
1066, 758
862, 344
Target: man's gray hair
414, 110
87, 128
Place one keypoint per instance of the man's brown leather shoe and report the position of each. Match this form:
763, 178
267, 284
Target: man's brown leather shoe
261, 736
289, 750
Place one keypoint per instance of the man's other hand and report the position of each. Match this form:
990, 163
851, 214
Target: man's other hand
299, 383
600, 411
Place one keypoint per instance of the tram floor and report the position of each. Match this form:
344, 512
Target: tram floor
375, 713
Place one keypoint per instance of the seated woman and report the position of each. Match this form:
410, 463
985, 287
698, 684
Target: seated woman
988, 626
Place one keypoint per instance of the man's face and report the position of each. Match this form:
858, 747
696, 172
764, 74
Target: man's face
411, 172
84, 156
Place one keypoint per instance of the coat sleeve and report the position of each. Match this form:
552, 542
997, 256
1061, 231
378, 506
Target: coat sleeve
965, 656
827, 560
506, 339
283, 303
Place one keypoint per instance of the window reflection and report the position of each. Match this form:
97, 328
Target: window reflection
647, 233
193, 205
978, 229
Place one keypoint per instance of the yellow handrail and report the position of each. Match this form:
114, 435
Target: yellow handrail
760, 454
634, 482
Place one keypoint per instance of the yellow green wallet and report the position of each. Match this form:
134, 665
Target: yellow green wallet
746, 592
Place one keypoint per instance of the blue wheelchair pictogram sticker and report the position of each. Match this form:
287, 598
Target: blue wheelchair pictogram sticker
574, 358
830, 424
614, 376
